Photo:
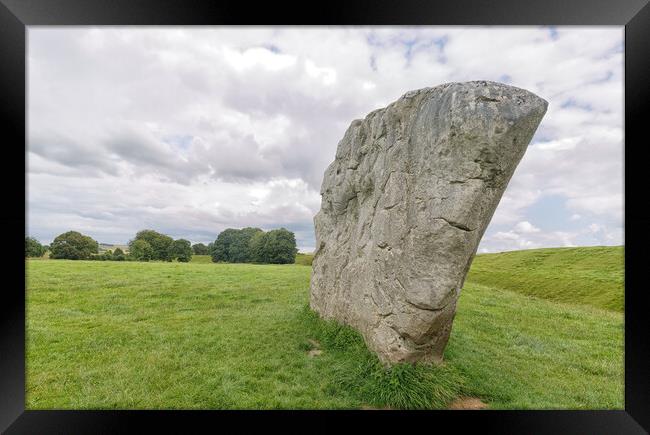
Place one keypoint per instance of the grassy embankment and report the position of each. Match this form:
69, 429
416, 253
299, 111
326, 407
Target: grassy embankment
173, 335
584, 276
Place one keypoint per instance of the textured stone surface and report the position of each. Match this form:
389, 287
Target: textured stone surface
404, 206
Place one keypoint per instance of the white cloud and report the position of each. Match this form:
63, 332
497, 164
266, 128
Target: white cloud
562, 144
513, 240
594, 228
523, 237
257, 57
198, 211
326, 75
526, 227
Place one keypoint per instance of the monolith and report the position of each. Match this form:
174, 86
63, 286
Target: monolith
404, 205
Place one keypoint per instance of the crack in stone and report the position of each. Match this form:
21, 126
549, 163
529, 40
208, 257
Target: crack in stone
458, 225
487, 99
420, 307
467, 179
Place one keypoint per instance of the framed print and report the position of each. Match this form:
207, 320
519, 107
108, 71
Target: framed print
240, 214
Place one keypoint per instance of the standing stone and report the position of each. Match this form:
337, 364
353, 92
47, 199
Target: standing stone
404, 206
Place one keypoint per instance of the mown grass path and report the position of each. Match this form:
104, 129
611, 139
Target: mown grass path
109, 335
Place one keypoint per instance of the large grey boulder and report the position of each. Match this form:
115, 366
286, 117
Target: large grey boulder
404, 206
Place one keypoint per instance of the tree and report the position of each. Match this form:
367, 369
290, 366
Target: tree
181, 250
141, 250
221, 247
73, 246
200, 249
33, 248
158, 242
239, 251
233, 245
118, 255
280, 246
258, 250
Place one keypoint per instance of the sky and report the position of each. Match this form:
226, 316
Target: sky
192, 130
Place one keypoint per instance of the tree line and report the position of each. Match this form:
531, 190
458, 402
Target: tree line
147, 245
252, 245
247, 245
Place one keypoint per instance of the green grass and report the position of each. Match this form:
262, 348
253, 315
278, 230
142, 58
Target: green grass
303, 259
201, 259
105, 335
585, 276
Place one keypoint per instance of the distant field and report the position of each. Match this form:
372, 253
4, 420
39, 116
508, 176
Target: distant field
189, 335
586, 276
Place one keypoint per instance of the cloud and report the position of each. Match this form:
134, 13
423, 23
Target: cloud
111, 209
526, 227
191, 130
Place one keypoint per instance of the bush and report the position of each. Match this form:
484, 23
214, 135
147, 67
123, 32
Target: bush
101, 257
33, 248
159, 244
181, 250
141, 250
118, 255
73, 246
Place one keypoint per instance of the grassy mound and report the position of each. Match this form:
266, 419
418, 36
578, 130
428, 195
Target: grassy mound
585, 276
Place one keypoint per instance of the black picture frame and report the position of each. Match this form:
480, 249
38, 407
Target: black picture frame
15, 15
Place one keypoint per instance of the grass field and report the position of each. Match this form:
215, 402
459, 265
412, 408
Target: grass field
201, 259
109, 335
302, 259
